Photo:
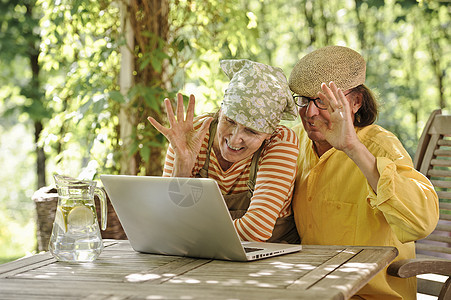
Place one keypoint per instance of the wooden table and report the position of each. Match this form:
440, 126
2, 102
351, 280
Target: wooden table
316, 272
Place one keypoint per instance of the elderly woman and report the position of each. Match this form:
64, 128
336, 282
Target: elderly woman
356, 184
243, 148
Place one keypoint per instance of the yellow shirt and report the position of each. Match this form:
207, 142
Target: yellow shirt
334, 204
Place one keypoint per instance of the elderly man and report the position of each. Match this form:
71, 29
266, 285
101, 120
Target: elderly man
356, 184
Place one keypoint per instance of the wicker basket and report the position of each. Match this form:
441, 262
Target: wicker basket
46, 200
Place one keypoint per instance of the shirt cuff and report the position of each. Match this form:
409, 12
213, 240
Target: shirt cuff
385, 185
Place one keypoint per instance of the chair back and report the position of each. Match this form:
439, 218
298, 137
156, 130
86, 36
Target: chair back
433, 159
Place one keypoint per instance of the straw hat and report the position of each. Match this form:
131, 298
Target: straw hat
342, 65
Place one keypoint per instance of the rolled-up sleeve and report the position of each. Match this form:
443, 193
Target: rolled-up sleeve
406, 198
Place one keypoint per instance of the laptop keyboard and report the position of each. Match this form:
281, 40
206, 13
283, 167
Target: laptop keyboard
249, 249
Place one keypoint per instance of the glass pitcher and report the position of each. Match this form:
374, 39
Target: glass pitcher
76, 234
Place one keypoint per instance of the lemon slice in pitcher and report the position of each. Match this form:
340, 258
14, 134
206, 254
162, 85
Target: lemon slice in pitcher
80, 216
59, 219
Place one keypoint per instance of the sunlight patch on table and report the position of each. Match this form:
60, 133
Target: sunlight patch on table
212, 281
44, 276
141, 277
262, 273
296, 267
357, 267
185, 280
228, 282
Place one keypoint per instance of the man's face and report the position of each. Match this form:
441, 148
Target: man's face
309, 114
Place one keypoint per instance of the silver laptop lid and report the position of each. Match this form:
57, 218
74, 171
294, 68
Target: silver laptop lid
175, 216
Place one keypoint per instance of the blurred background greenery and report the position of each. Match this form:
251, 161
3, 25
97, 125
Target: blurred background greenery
79, 77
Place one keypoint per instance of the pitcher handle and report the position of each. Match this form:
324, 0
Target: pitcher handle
103, 206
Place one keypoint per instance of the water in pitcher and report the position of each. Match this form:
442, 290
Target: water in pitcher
76, 234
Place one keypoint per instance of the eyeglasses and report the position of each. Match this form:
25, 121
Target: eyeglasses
303, 101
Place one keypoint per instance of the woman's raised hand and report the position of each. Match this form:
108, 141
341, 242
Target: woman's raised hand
185, 141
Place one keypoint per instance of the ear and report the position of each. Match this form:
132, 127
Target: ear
356, 102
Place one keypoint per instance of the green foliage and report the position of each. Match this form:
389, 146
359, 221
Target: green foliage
208, 31
19, 36
17, 225
17, 28
406, 45
81, 52
81, 40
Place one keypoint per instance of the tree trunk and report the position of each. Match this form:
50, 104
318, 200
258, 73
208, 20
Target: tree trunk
36, 95
434, 49
309, 15
148, 21
40, 155
126, 121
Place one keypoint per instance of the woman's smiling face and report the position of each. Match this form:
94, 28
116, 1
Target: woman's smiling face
236, 142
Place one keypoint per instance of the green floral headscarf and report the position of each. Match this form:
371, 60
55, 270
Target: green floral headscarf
258, 95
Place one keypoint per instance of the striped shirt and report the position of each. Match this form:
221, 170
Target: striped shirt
274, 182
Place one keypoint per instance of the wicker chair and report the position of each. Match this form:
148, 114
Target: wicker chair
433, 159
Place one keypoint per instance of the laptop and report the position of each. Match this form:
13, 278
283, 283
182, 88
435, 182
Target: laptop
181, 216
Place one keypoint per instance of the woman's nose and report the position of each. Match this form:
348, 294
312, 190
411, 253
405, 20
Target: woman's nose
237, 135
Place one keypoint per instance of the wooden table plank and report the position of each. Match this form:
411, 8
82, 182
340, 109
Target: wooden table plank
367, 261
316, 272
25, 264
324, 269
167, 271
111, 290
42, 259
